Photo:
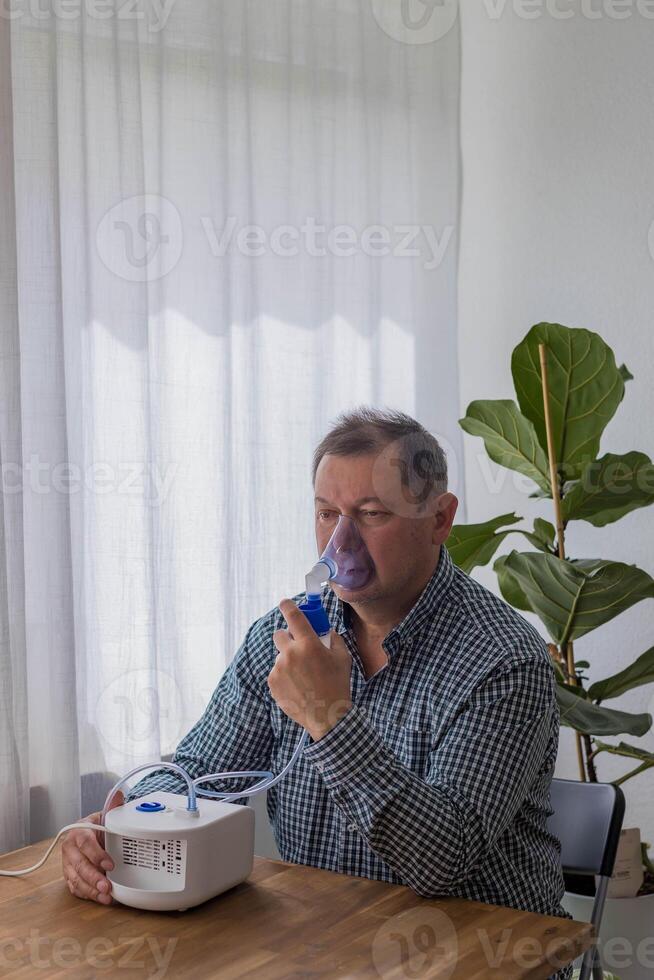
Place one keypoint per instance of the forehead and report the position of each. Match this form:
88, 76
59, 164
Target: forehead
347, 479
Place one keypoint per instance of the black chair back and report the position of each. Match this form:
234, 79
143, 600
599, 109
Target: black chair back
587, 819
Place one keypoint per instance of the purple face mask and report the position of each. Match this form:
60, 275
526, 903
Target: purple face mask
347, 551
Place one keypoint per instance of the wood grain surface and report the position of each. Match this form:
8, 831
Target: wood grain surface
285, 921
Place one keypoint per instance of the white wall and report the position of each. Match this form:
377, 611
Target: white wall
558, 197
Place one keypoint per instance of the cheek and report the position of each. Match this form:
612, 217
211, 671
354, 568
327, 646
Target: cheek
382, 547
323, 537
323, 534
391, 549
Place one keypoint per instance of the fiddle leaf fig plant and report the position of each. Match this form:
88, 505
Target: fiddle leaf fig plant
568, 387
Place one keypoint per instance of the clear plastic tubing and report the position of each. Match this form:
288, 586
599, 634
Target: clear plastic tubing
321, 572
260, 787
192, 805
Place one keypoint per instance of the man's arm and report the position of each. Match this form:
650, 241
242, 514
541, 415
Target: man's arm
234, 733
434, 832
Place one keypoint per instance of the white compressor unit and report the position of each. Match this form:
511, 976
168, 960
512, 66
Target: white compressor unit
167, 858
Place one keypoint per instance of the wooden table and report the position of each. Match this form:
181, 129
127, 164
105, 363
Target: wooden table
285, 921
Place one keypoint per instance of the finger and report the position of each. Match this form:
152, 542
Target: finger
76, 836
89, 846
297, 621
282, 640
337, 644
84, 879
81, 889
118, 799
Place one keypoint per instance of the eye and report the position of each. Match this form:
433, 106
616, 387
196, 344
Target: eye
372, 513
321, 514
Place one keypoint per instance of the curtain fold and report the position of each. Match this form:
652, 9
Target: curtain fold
14, 745
222, 224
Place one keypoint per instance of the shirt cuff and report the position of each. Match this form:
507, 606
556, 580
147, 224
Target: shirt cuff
353, 754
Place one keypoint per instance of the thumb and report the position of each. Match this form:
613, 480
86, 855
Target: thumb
118, 799
337, 643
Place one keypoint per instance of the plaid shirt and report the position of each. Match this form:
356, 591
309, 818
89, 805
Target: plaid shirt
438, 777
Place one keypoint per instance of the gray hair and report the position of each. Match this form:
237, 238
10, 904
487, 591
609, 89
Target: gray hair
365, 430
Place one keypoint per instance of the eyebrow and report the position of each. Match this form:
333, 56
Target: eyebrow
363, 500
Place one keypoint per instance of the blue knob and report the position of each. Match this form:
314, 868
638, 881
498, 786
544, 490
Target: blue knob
150, 807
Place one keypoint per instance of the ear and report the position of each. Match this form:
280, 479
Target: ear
444, 513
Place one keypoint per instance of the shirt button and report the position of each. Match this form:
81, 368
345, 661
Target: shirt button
352, 826
320, 766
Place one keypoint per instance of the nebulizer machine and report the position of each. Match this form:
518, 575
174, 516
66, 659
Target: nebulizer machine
173, 851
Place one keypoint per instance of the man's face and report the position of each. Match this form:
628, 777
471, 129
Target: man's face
402, 539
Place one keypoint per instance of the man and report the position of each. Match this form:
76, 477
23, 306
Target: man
432, 718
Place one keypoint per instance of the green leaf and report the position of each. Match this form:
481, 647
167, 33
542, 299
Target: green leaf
510, 439
545, 531
511, 591
574, 597
590, 719
542, 494
542, 536
625, 373
640, 672
475, 544
609, 488
585, 389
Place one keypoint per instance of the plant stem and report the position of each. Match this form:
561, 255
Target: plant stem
560, 529
554, 476
580, 758
590, 763
570, 663
634, 772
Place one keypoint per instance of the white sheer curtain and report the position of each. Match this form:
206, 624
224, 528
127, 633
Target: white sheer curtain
221, 223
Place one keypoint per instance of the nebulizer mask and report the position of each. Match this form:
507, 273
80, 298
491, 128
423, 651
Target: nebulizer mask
345, 561
172, 851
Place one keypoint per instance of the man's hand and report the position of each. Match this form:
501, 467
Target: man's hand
310, 683
85, 862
